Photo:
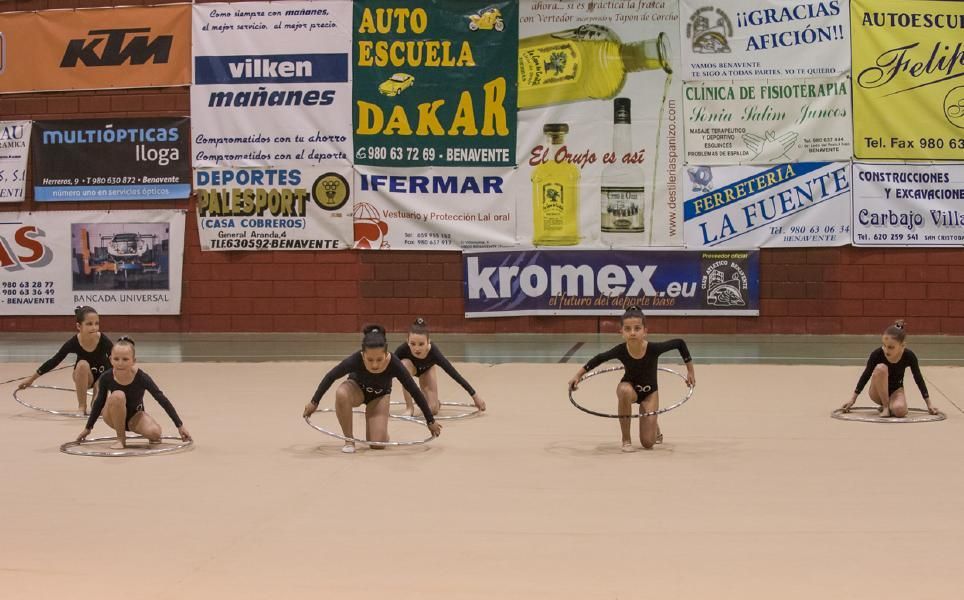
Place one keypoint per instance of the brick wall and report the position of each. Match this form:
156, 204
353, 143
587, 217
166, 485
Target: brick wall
819, 291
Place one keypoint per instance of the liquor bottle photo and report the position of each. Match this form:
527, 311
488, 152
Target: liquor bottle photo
623, 189
555, 194
585, 63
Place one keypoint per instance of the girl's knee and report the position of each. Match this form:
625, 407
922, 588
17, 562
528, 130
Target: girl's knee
880, 370
898, 410
116, 397
153, 433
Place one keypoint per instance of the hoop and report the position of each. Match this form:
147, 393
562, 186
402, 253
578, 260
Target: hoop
474, 410
60, 413
368, 442
660, 411
869, 415
77, 448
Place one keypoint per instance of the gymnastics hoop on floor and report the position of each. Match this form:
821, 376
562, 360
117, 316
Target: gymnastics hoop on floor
689, 394
77, 448
473, 411
60, 413
358, 411
868, 414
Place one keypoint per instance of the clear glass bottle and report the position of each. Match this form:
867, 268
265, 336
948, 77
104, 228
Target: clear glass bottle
623, 190
589, 62
555, 194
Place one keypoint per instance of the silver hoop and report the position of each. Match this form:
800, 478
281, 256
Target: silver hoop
474, 410
868, 414
77, 448
368, 442
689, 393
61, 413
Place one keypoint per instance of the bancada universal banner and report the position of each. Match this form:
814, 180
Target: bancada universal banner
120, 262
14, 146
274, 209
586, 282
271, 83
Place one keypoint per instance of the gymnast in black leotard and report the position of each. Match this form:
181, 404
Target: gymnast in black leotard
638, 385
885, 372
92, 349
420, 356
121, 399
370, 373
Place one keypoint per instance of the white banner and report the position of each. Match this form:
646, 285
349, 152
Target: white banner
908, 205
768, 122
757, 39
121, 263
784, 206
271, 83
274, 209
433, 209
14, 147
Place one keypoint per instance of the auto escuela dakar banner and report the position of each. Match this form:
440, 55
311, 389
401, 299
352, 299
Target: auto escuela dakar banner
271, 84
89, 49
783, 206
14, 145
756, 39
585, 282
125, 262
111, 159
434, 83
274, 209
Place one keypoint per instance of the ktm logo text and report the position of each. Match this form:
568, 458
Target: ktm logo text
117, 46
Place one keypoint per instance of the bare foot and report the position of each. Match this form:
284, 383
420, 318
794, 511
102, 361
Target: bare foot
409, 412
885, 413
118, 446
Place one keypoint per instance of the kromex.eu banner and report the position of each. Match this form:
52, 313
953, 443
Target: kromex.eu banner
271, 83
124, 262
586, 282
14, 145
111, 159
274, 209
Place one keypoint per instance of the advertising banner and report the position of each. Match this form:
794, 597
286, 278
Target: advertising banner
789, 205
908, 91
583, 282
111, 159
433, 209
908, 205
274, 209
14, 145
599, 142
768, 122
757, 39
121, 263
434, 82
89, 49
271, 84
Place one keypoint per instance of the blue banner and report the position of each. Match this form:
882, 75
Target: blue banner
579, 282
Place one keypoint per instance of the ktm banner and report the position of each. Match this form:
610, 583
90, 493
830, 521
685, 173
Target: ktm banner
95, 48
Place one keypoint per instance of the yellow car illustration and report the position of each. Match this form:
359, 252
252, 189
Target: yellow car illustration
490, 18
396, 84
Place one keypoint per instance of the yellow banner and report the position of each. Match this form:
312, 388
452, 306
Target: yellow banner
95, 48
908, 79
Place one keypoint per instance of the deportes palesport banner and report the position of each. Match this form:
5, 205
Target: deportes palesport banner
908, 205
274, 209
14, 146
585, 282
119, 159
271, 83
755, 39
767, 122
788, 205
908, 91
121, 262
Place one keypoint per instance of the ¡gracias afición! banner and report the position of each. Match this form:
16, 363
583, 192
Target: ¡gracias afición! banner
121, 263
14, 145
118, 159
581, 282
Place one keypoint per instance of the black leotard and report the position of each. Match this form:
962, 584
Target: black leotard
374, 385
640, 372
99, 359
134, 393
434, 357
895, 371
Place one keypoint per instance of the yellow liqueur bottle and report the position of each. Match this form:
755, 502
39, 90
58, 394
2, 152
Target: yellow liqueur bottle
555, 194
589, 62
